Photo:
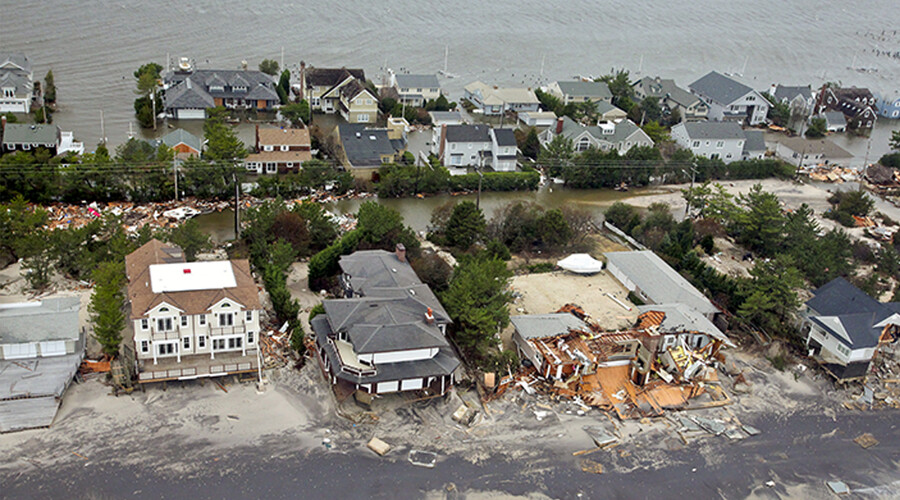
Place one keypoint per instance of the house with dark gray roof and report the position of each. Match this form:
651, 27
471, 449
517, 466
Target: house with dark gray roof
671, 97
731, 100
503, 150
605, 136
580, 91
30, 137
41, 348
755, 145
416, 90
187, 94
16, 83
184, 143
857, 104
835, 121
845, 327
722, 140
388, 334
366, 149
464, 146
321, 86
798, 98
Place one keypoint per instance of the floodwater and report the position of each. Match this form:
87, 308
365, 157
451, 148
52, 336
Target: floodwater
93, 46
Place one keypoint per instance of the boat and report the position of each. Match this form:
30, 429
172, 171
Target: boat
444, 72
185, 65
181, 213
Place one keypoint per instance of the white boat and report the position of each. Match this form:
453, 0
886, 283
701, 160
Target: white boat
444, 71
181, 213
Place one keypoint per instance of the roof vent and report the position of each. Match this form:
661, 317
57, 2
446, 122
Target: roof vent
358, 135
371, 137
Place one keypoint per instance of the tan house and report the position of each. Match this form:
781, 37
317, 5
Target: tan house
580, 91
191, 319
321, 86
279, 150
365, 150
357, 103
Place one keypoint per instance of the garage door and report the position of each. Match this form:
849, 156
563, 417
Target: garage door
19, 351
384, 387
411, 385
54, 348
191, 114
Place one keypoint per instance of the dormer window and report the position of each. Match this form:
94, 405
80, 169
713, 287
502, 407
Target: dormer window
285, 147
268, 148
239, 89
216, 88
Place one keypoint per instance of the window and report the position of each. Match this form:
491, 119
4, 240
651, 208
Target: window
145, 346
26, 147
268, 148
226, 319
249, 316
184, 321
186, 343
696, 144
249, 337
714, 156
164, 324
218, 344
290, 164
471, 145
720, 144
166, 349
271, 168
362, 118
315, 101
368, 101
452, 145
202, 319
234, 343
201, 341
583, 144
285, 147
751, 98
359, 101
145, 324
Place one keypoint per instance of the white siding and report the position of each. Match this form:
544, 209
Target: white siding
19, 351
53, 348
400, 356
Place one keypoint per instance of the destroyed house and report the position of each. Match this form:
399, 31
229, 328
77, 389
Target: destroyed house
191, 319
41, 347
677, 343
387, 335
844, 328
653, 281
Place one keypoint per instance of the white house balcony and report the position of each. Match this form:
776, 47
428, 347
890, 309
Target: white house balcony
227, 330
349, 362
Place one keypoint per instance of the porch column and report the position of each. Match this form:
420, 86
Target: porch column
443, 378
212, 348
178, 351
244, 345
153, 348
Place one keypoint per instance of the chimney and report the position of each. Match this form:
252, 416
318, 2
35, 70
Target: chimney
400, 252
429, 316
559, 125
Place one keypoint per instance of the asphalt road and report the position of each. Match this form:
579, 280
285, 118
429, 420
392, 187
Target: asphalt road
800, 450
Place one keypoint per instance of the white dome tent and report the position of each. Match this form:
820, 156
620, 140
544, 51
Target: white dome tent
581, 263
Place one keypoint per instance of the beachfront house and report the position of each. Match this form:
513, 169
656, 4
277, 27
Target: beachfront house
41, 348
16, 83
530, 330
29, 137
714, 140
672, 98
279, 150
321, 86
503, 150
730, 100
492, 101
798, 98
755, 145
364, 150
387, 334
357, 103
844, 328
416, 90
857, 105
191, 319
188, 92
605, 136
438, 120
577, 91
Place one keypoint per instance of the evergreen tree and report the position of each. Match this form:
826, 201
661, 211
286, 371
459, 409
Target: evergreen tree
107, 303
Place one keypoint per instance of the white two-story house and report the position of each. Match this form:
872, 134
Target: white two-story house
16, 84
464, 146
191, 319
722, 140
730, 100
416, 90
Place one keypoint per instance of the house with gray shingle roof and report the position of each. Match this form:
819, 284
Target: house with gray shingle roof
798, 98
604, 136
671, 97
416, 90
16, 83
835, 121
187, 94
731, 100
722, 140
182, 142
580, 91
388, 334
29, 137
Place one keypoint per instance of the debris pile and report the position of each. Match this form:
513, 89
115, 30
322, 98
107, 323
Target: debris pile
639, 372
837, 175
273, 346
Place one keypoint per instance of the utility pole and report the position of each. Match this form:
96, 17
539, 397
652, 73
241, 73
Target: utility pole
687, 205
153, 100
175, 172
480, 176
237, 207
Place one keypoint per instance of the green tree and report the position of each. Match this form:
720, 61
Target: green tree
894, 142
554, 230
779, 113
269, 67
532, 146
296, 112
710, 201
284, 87
623, 216
656, 132
817, 128
18, 222
37, 265
760, 222
771, 293
107, 305
465, 227
477, 301
557, 155
49, 88
190, 238
147, 88
620, 88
